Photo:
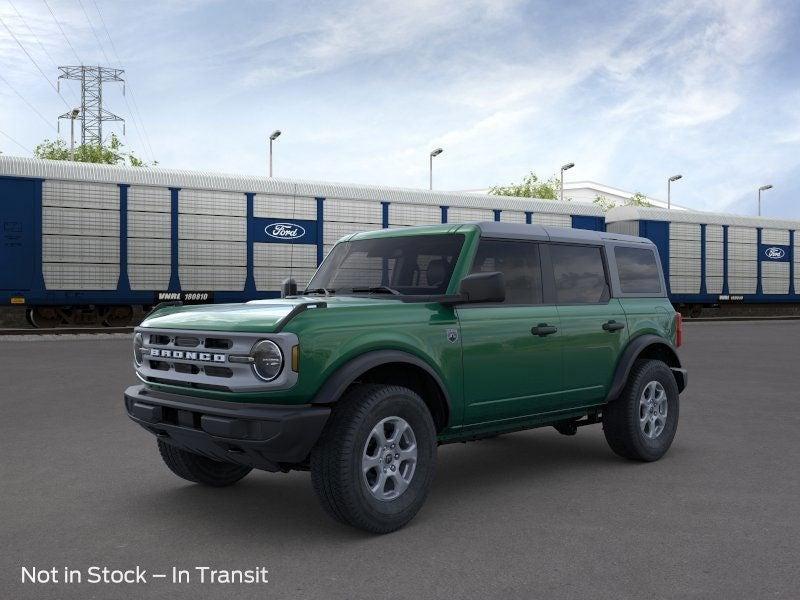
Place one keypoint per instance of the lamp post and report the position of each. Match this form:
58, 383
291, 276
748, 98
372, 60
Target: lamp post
564, 168
73, 114
272, 138
762, 189
669, 189
436, 152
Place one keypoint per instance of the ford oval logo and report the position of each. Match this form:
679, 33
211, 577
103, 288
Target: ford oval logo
285, 231
775, 253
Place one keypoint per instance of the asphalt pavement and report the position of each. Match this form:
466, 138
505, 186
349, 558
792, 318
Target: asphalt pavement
528, 515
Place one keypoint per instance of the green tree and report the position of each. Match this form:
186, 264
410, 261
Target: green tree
112, 153
638, 199
606, 204
530, 187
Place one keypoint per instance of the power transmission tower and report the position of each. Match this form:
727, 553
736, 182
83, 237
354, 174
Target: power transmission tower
93, 115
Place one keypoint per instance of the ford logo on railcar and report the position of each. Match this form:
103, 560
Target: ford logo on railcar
775, 253
285, 231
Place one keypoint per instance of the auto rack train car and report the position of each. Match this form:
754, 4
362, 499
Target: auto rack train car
86, 243
712, 258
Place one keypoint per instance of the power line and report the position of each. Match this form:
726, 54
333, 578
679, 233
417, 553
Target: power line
135, 115
38, 41
16, 142
66, 39
31, 106
96, 37
28, 54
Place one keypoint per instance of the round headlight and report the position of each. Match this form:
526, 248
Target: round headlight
267, 360
138, 342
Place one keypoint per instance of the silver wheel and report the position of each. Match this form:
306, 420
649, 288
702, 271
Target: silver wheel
389, 458
653, 409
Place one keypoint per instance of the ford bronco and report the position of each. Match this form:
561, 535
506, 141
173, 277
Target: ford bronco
410, 338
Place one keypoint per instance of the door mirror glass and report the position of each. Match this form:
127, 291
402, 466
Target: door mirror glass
483, 287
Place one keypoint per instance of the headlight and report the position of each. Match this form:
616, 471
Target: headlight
138, 342
267, 360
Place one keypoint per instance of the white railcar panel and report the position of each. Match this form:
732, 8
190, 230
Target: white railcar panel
148, 277
77, 221
741, 285
212, 278
775, 236
512, 216
284, 255
414, 214
743, 252
80, 249
459, 214
353, 211
742, 235
623, 227
684, 231
679, 248
80, 276
714, 268
80, 194
684, 284
270, 278
149, 199
207, 202
332, 231
714, 250
775, 277
714, 285
149, 225
204, 252
285, 207
552, 220
208, 227
714, 233
742, 268
684, 266
144, 251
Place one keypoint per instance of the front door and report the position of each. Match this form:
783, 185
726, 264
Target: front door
511, 350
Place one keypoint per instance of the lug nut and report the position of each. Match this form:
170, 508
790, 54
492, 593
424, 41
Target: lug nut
392, 467
397, 456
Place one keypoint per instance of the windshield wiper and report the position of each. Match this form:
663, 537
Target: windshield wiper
377, 289
325, 291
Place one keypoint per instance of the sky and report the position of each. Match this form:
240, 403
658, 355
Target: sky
631, 92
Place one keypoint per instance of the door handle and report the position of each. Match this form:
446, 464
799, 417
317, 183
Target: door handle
612, 326
543, 329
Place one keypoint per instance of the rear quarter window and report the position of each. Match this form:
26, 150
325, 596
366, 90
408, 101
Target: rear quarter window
638, 270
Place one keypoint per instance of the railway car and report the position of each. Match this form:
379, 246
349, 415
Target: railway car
712, 258
87, 243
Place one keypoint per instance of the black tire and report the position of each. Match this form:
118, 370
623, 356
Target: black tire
621, 424
199, 469
336, 467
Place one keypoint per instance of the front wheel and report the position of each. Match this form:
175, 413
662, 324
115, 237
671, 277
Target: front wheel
199, 469
641, 423
374, 463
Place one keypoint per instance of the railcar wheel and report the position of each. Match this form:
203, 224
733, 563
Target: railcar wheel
44, 317
118, 316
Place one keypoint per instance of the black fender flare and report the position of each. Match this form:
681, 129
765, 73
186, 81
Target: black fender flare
632, 351
338, 382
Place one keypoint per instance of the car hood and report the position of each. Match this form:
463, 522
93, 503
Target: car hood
258, 316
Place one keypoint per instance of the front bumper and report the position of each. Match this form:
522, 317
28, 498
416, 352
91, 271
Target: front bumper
262, 436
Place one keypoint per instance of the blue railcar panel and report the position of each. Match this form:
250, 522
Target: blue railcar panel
658, 233
584, 222
18, 230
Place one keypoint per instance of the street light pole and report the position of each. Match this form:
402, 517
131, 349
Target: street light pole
272, 138
436, 152
669, 189
72, 116
762, 189
564, 168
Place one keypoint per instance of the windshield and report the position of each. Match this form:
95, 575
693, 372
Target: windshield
408, 265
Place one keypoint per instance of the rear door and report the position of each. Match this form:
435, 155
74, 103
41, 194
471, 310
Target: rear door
17, 241
511, 350
593, 325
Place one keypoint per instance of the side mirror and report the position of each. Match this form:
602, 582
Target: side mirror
483, 287
288, 288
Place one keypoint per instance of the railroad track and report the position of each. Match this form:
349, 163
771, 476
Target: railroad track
63, 330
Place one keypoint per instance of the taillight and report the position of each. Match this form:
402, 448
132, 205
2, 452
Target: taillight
678, 329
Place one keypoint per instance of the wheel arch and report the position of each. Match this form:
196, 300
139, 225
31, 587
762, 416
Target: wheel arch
646, 346
393, 367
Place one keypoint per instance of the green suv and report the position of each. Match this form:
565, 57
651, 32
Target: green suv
410, 338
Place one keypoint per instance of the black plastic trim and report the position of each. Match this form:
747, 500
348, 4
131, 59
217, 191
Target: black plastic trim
262, 436
634, 348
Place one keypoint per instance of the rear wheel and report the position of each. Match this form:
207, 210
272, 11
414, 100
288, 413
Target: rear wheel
199, 469
375, 461
641, 423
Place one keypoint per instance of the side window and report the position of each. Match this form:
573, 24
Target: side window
638, 271
579, 274
519, 264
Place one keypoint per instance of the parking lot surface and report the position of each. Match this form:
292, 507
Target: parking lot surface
528, 515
